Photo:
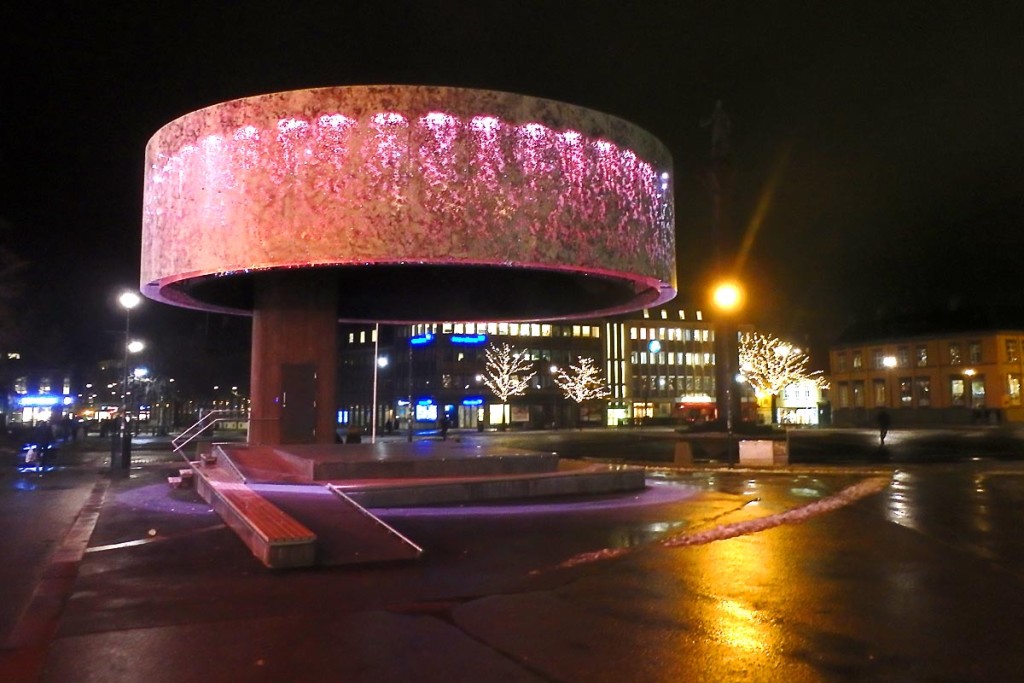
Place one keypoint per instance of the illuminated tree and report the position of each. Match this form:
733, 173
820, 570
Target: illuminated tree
769, 365
582, 382
506, 373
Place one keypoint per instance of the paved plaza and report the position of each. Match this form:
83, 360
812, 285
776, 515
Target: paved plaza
711, 573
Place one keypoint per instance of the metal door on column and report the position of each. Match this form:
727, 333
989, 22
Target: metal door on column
298, 403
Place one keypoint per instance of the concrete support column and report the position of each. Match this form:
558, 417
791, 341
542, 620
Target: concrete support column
294, 358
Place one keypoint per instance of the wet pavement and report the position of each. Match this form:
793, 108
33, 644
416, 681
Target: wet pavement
711, 574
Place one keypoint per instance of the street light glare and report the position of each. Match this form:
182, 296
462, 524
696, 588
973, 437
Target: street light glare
129, 300
135, 346
727, 296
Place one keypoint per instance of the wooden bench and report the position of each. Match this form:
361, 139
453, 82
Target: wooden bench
276, 538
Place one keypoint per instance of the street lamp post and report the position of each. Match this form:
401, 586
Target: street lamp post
727, 298
121, 457
654, 351
889, 362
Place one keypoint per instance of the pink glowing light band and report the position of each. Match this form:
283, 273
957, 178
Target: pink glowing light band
397, 174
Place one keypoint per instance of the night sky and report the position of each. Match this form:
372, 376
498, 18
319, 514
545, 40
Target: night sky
877, 149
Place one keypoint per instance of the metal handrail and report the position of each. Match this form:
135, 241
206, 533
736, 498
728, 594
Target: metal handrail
193, 432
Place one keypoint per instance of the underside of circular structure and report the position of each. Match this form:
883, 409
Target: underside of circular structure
420, 203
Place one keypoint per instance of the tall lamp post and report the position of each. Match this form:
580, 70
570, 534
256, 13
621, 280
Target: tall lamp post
889, 362
654, 348
727, 298
121, 454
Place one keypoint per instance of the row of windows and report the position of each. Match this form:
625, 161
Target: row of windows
493, 329
672, 333
675, 385
903, 359
680, 313
511, 329
917, 392
666, 358
45, 386
906, 356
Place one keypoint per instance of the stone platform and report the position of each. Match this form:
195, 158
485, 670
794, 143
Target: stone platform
296, 506
400, 474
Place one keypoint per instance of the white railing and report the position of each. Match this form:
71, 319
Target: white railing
207, 421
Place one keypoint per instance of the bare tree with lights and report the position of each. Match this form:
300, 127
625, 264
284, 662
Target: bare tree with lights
508, 373
582, 382
769, 365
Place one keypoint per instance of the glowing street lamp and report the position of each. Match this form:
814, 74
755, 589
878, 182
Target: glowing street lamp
128, 301
889, 362
727, 298
654, 349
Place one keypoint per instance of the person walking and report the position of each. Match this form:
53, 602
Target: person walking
884, 421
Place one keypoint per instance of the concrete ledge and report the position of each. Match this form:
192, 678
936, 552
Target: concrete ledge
595, 480
274, 537
763, 452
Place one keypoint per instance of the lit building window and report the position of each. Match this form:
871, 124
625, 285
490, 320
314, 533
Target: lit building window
880, 398
922, 356
1013, 388
978, 392
956, 391
632, 333
858, 360
545, 330
923, 391
513, 329
974, 352
857, 393
954, 353
1012, 354
905, 391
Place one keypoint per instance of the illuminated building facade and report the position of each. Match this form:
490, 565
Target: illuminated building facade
661, 367
658, 364
441, 366
950, 378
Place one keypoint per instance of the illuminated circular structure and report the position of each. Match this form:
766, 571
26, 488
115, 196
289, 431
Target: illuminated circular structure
417, 203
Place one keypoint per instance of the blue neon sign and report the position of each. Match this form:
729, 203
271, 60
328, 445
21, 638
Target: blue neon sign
469, 339
473, 401
39, 400
421, 339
